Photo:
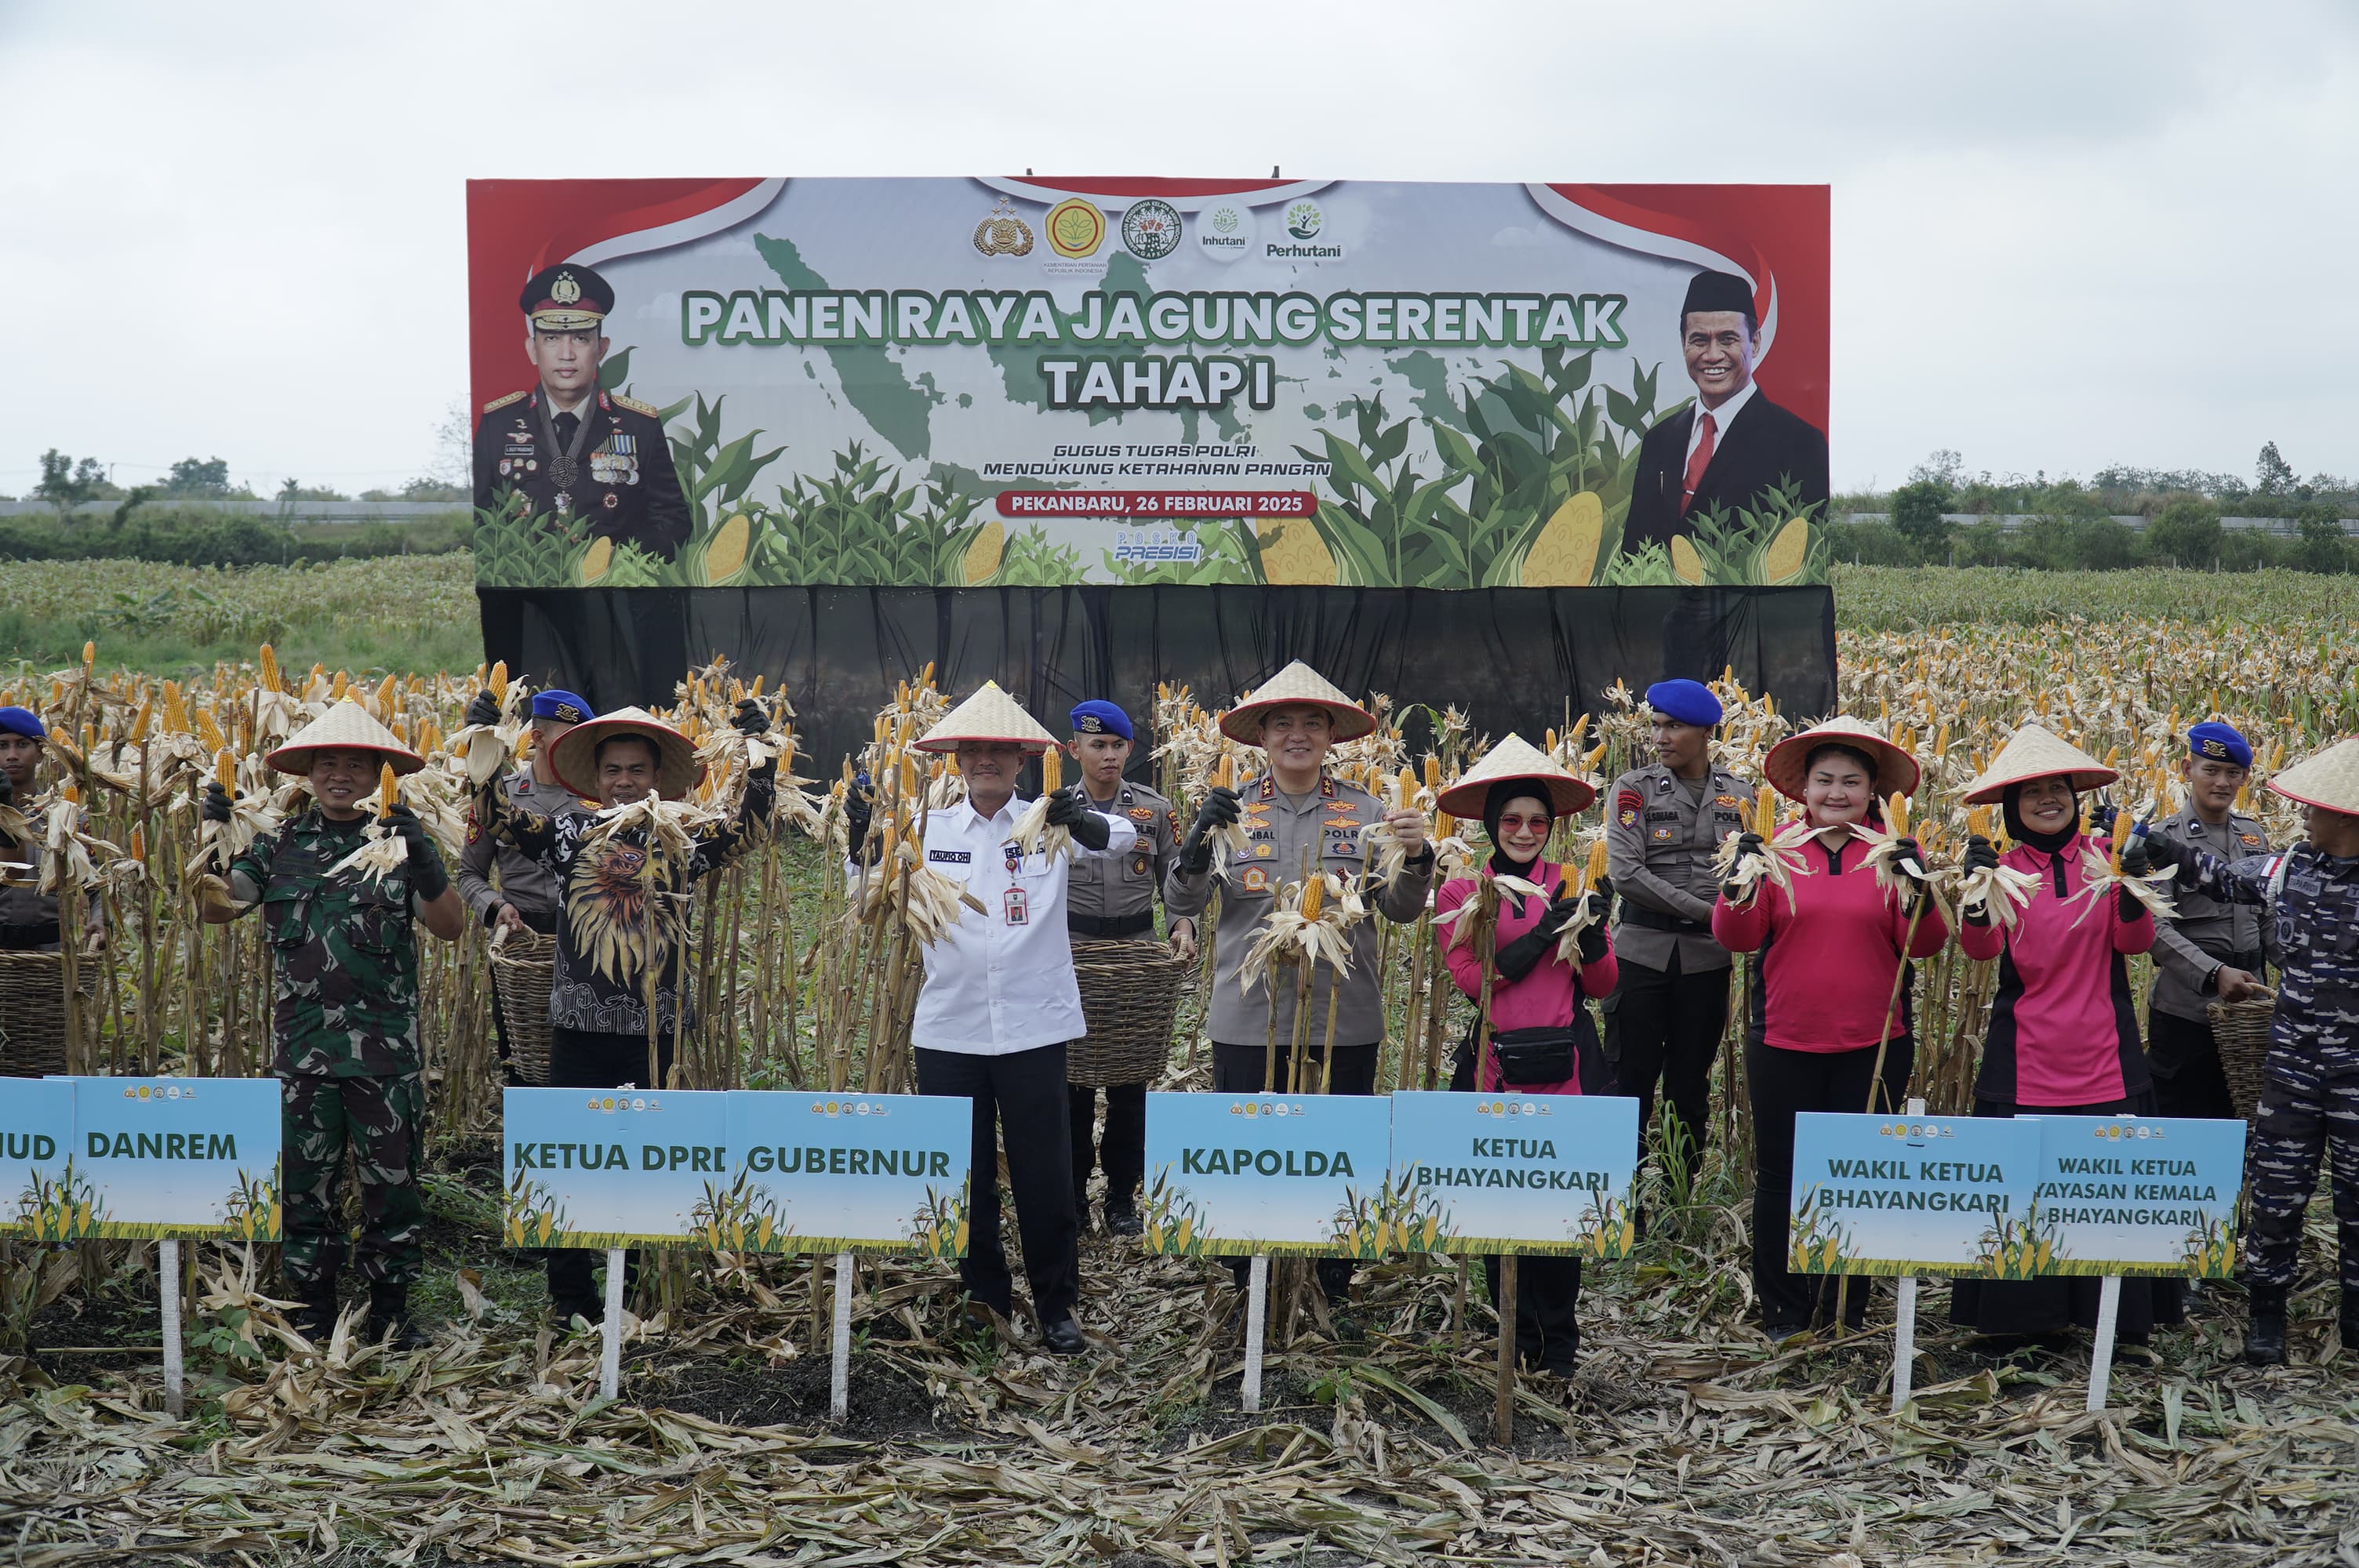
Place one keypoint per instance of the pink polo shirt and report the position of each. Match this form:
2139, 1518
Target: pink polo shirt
1548, 997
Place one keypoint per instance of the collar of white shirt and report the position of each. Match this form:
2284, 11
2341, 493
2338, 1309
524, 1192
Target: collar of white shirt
1721, 418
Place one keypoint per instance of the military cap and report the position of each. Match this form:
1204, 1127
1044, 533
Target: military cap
22, 721
563, 706
1098, 717
567, 297
2220, 743
1689, 701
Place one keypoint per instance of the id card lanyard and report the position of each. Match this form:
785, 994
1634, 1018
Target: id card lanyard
1015, 909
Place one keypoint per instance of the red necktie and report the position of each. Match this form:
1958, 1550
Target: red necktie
1697, 463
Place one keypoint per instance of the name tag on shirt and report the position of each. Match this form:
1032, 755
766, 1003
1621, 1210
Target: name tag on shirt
1017, 912
952, 857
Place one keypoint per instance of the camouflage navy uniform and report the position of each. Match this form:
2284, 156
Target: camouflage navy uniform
344, 970
2310, 1088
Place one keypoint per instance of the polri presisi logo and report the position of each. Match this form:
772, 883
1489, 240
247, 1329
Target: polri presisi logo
1303, 219
1004, 234
1150, 229
1076, 228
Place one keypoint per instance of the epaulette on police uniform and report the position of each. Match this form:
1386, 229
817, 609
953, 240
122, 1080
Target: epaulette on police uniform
634, 404
496, 403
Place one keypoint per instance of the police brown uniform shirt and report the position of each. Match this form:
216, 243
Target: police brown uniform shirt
1665, 1018
29, 918
1114, 895
2189, 950
524, 880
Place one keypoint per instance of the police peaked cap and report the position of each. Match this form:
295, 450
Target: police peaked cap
1718, 291
567, 297
1689, 701
22, 721
1098, 717
563, 706
2220, 743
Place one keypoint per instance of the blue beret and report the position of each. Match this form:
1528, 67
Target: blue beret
1689, 701
22, 721
561, 705
2221, 742
1099, 717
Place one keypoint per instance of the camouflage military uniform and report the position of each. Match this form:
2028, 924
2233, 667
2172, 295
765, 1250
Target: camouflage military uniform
345, 1024
2310, 1093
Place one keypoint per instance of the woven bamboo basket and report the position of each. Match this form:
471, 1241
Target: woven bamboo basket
33, 1013
526, 966
1130, 994
2241, 1030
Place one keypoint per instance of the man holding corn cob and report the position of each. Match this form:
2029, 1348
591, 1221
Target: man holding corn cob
29, 918
1111, 898
1297, 819
1665, 1019
344, 969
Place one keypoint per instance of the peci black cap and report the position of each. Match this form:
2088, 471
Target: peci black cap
1718, 291
567, 297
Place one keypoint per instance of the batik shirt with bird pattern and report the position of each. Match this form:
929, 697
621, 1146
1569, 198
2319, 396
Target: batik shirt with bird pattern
604, 943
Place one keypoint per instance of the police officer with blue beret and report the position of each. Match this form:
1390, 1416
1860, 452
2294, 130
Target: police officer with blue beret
29, 918
1111, 898
1664, 824
568, 452
525, 897
2210, 950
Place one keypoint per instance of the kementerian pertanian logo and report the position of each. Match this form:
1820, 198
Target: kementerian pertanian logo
1076, 228
1303, 219
1150, 229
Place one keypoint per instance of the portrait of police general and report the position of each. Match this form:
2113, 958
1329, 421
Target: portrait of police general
568, 452
1722, 450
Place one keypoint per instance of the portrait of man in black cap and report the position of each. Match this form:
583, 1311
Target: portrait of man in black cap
1731, 443
563, 449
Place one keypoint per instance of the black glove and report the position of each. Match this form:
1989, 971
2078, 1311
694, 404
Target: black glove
1590, 943
1749, 846
1522, 956
1981, 856
1560, 915
2100, 817
483, 710
427, 874
859, 807
2137, 854
749, 719
1219, 809
7, 789
1910, 852
1089, 829
2130, 906
216, 804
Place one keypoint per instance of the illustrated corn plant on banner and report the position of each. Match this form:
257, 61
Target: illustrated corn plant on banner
601, 1168
988, 381
1519, 1173
1927, 1195
39, 1187
1231, 1175
2123, 1194
179, 1157
845, 1173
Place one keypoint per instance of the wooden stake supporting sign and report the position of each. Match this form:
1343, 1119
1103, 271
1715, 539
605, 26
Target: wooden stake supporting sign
1256, 1308
168, 1280
839, 1375
1904, 1321
1503, 1407
609, 1353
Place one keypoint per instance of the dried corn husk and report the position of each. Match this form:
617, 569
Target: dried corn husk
1308, 921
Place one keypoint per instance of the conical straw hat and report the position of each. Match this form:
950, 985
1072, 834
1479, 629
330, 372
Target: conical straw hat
1516, 758
1297, 686
989, 715
574, 758
1896, 770
2035, 752
2328, 780
346, 727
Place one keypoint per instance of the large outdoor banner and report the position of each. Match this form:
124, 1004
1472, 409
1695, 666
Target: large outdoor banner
996, 382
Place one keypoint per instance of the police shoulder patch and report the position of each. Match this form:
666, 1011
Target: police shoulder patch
634, 404
496, 403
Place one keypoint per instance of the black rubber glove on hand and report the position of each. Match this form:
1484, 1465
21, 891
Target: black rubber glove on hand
859, 807
1522, 956
1219, 809
1981, 856
1089, 829
1598, 903
749, 720
216, 806
483, 710
1749, 846
2137, 854
426, 873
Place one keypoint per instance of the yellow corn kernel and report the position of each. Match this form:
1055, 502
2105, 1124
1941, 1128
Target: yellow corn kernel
1314, 897
1052, 770
1597, 854
1765, 812
210, 732
1404, 789
496, 683
269, 663
1596, 754
1896, 813
1224, 772
388, 790
339, 687
225, 770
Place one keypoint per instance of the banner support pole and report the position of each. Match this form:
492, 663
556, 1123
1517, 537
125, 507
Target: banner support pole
610, 1355
1503, 1407
1904, 1318
168, 1280
1257, 1303
2101, 1351
838, 1384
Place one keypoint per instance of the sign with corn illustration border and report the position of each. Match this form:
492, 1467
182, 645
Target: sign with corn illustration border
1915, 1194
1511, 1173
154, 1158
609, 1167
845, 1173
2125, 1194
37, 1179
1233, 1174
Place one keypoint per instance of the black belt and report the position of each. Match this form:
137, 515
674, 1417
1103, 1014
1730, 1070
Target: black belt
543, 921
1109, 925
1656, 920
19, 935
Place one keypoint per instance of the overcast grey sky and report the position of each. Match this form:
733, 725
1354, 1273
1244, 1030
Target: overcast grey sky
2065, 235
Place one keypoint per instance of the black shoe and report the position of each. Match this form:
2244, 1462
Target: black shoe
1782, 1334
389, 1318
565, 1309
2349, 1321
1124, 1222
1062, 1337
2265, 1330
316, 1317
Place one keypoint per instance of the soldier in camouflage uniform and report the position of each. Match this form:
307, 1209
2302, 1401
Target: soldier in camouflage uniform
344, 1025
2310, 1093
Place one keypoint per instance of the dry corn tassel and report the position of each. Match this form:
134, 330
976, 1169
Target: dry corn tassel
1780, 860
1033, 834
1307, 923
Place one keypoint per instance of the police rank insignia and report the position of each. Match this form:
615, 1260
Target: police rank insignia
1730, 801
1139, 865
1142, 814
1257, 879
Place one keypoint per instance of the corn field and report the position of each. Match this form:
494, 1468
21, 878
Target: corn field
1682, 1438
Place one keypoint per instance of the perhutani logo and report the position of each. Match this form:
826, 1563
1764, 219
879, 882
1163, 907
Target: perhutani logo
1304, 221
1150, 229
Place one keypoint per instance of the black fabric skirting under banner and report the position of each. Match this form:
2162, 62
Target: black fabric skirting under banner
1512, 658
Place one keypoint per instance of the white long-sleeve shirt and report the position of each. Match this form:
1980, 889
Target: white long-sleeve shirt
1002, 982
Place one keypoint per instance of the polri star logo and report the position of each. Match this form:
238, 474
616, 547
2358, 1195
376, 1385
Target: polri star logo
1150, 229
1004, 234
1303, 220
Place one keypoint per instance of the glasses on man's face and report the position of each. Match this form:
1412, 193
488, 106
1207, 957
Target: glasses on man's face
1512, 824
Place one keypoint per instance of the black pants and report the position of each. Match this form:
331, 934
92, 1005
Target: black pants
2052, 1305
585, 1059
1784, 1082
1547, 1290
1660, 1023
2185, 1060
1123, 1154
1025, 1090
1240, 1069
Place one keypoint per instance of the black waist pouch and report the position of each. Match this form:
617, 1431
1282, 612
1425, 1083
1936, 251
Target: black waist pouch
1534, 1056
